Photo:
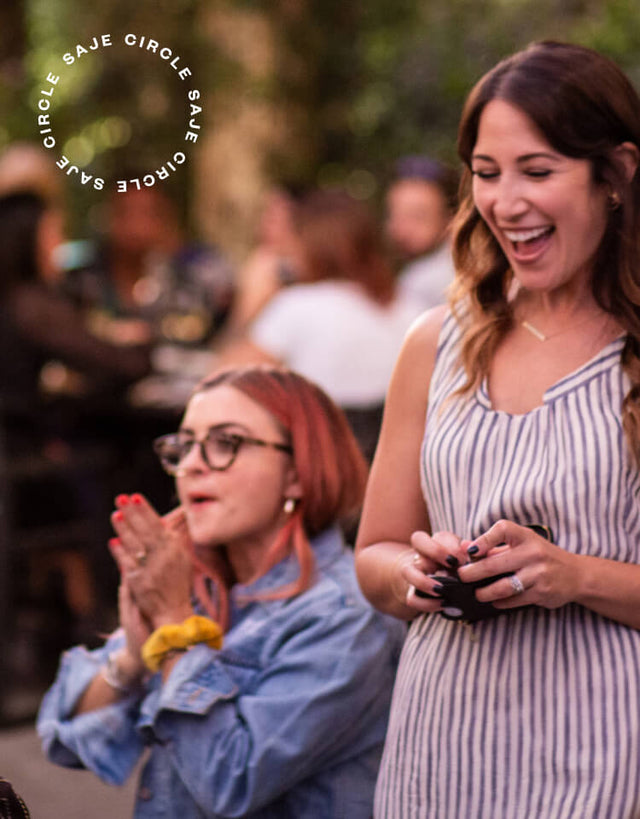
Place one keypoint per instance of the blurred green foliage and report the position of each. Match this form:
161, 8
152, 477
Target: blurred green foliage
390, 78
368, 79
118, 111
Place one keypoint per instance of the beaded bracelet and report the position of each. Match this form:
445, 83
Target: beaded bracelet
195, 629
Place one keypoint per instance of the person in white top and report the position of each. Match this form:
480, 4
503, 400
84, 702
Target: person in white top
420, 203
334, 332
344, 324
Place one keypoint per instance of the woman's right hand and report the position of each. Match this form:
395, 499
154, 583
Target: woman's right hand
430, 554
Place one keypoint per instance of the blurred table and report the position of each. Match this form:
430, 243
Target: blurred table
176, 372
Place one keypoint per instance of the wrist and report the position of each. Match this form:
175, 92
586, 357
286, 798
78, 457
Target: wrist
587, 575
130, 662
399, 584
173, 616
122, 672
172, 638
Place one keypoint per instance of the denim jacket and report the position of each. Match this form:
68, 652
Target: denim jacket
286, 720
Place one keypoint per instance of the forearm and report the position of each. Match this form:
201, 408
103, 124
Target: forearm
98, 694
377, 568
104, 739
610, 588
118, 678
54, 325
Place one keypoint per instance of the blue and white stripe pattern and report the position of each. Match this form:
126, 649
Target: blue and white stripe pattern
539, 715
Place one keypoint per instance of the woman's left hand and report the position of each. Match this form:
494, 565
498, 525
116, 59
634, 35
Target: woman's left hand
541, 573
153, 554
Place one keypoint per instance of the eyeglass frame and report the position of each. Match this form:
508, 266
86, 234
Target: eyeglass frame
239, 442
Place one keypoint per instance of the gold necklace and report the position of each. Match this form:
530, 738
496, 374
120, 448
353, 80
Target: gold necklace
534, 331
546, 336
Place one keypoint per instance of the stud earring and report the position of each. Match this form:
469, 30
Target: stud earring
614, 200
289, 506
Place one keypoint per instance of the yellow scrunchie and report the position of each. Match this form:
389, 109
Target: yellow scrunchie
194, 629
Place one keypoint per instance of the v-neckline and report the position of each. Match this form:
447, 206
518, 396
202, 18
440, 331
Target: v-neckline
567, 383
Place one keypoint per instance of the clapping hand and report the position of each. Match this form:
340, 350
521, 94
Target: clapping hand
153, 556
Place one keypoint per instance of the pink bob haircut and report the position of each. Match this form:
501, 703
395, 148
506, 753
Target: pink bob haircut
330, 467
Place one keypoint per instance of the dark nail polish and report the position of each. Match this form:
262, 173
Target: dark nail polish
443, 579
424, 595
438, 588
452, 561
473, 550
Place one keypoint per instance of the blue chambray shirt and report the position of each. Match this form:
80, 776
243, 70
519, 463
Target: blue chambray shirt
286, 720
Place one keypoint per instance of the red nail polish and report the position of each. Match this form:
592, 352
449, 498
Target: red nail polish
114, 541
122, 500
137, 499
118, 516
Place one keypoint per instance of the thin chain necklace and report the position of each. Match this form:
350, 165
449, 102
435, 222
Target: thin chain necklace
546, 336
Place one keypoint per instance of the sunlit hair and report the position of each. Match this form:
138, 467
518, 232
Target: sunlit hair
585, 107
328, 462
341, 239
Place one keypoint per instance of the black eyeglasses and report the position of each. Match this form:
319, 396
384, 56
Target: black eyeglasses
218, 449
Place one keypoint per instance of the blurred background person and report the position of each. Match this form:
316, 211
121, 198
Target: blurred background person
49, 364
420, 203
25, 166
271, 263
343, 324
143, 277
39, 322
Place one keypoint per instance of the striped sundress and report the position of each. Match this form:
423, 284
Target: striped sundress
537, 713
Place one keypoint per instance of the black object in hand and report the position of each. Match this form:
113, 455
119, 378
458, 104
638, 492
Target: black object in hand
459, 599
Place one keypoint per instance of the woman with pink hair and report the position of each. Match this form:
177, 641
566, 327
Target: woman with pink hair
247, 661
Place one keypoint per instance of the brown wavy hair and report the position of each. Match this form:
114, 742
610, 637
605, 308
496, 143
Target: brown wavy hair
585, 106
330, 467
341, 239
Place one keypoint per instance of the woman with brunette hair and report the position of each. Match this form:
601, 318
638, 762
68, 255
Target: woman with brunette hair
38, 323
247, 659
523, 400
341, 325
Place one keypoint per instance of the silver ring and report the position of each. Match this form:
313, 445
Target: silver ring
140, 558
516, 584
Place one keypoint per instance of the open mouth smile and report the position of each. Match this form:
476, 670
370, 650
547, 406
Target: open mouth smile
528, 244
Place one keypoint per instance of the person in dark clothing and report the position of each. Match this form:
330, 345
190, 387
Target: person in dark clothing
38, 323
